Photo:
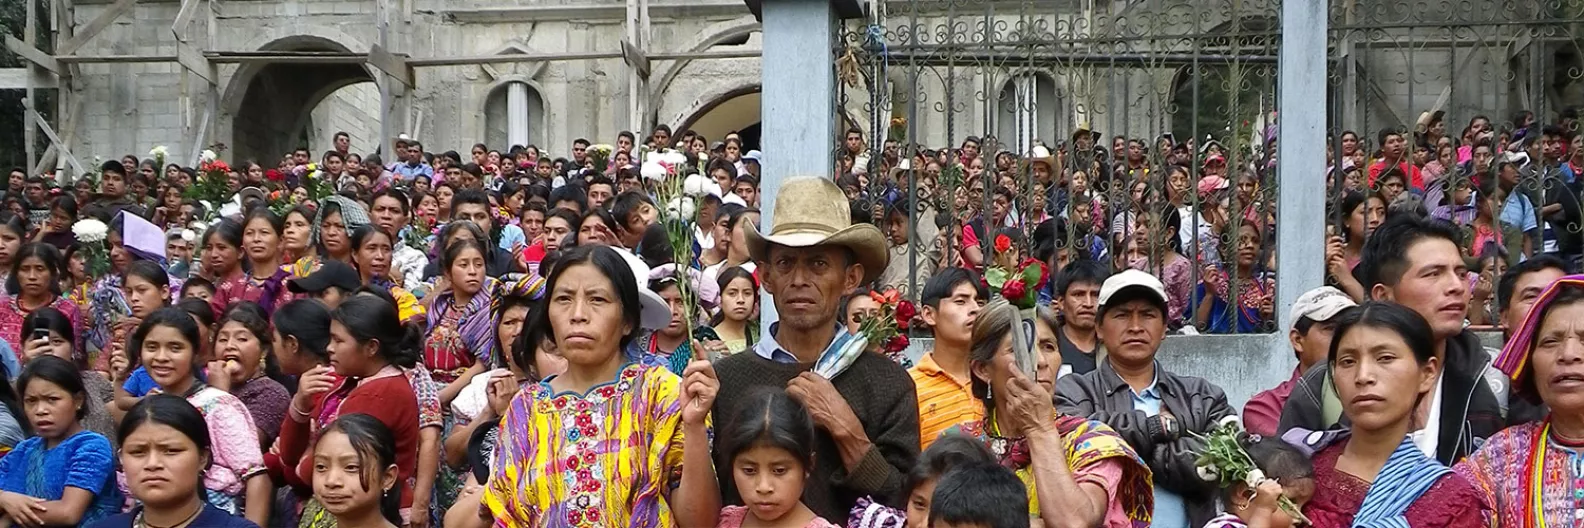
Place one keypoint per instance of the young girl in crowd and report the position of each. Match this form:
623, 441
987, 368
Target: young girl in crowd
768, 444
62, 475
739, 307
145, 292
168, 343
165, 451
50, 334
264, 283
295, 234
34, 283
461, 323
919, 485
372, 250
1287, 473
243, 366
222, 254
368, 348
13, 232
355, 473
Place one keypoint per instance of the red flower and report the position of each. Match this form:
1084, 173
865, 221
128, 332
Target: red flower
1013, 289
897, 344
905, 313
274, 175
1003, 243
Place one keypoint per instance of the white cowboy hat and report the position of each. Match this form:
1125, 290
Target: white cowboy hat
813, 211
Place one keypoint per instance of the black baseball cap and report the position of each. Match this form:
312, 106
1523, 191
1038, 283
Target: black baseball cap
331, 273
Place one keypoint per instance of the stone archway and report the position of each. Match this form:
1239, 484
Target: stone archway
733, 111
272, 110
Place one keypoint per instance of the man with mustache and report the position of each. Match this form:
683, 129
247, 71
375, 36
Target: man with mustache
1159, 413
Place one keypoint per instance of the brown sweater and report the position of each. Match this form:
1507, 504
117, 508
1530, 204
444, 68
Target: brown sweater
881, 395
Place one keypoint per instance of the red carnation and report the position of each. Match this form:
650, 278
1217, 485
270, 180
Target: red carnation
905, 313
1013, 289
1003, 243
274, 175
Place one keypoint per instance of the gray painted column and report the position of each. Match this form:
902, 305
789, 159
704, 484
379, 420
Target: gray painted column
1301, 99
797, 121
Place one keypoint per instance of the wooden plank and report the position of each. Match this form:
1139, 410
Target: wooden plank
60, 147
96, 26
183, 18
635, 57
45, 160
17, 78
32, 54
392, 65
190, 58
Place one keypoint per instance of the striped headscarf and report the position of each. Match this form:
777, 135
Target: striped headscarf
1514, 357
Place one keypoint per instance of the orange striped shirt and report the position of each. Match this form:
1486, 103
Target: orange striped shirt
943, 400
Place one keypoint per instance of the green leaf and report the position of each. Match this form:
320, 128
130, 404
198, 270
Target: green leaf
996, 277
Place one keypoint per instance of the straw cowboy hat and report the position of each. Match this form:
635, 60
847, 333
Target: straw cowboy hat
1040, 154
813, 211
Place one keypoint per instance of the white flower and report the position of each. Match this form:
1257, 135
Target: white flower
198, 226
1230, 419
1207, 473
694, 185
159, 151
90, 230
681, 208
653, 170
1254, 478
673, 157
207, 156
189, 235
652, 157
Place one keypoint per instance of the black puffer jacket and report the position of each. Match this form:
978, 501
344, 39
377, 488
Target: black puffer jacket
1470, 410
1102, 395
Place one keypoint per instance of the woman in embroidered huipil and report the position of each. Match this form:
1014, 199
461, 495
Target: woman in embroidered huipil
296, 239
64, 467
34, 283
1383, 365
265, 284
168, 342
611, 442
461, 324
1533, 474
222, 253
1093, 473
333, 224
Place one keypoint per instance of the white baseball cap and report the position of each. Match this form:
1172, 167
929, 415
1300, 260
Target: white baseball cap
1321, 304
1131, 279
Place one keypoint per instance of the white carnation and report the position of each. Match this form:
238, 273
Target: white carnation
189, 235
159, 151
1255, 477
207, 156
1230, 419
694, 185
1207, 473
198, 226
673, 157
90, 230
681, 208
653, 170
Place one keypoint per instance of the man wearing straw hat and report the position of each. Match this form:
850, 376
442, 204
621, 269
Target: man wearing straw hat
863, 404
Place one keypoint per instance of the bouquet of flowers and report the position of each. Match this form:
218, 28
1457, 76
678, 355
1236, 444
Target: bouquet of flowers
1020, 286
420, 233
1224, 461
599, 157
898, 132
210, 187
679, 217
159, 153
92, 234
888, 329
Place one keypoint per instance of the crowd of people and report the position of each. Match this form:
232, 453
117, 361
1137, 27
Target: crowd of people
515, 339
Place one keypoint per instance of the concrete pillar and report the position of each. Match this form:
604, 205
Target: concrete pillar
1301, 99
798, 120
517, 114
